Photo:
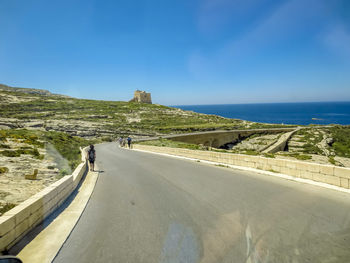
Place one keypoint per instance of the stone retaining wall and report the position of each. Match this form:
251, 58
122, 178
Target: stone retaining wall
17, 222
329, 174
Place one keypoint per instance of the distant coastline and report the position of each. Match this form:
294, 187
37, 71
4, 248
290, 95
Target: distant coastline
301, 113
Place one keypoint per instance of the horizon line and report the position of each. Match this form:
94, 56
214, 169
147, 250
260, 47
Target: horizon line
246, 103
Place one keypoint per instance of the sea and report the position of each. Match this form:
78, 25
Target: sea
302, 113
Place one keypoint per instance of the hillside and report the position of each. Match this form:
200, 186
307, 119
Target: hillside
35, 109
30, 160
41, 132
29, 91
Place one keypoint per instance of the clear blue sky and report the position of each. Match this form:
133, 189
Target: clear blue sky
182, 51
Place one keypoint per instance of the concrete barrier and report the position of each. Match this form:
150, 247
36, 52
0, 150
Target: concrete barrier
329, 174
17, 222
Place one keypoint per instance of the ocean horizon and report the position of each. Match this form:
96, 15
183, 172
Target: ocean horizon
299, 113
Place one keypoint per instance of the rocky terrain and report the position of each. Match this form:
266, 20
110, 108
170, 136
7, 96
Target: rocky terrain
20, 159
40, 134
32, 160
256, 143
14, 187
326, 145
35, 109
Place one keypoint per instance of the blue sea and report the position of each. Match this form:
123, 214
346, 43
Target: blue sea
287, 113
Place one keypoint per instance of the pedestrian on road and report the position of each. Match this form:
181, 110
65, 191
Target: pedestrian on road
92, 157
120, 141
129, 142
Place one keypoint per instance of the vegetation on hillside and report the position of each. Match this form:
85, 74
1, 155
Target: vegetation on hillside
65, 144
116, 116
338, 143
341, 137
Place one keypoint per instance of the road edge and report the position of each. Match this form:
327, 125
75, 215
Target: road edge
47, 244
279, 175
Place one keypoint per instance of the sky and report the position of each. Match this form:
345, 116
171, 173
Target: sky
184, 52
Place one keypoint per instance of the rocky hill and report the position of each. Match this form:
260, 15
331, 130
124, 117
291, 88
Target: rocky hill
29, 91
38, 109
41, 132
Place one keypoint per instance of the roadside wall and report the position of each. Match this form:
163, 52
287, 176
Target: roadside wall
329, 174
17, 222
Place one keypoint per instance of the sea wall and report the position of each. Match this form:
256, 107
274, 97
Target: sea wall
17, 222
329, 174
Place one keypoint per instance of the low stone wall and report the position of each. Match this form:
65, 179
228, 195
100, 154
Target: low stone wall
329, 174
17, 222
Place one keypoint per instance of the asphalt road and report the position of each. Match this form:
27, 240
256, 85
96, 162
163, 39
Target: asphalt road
151, 208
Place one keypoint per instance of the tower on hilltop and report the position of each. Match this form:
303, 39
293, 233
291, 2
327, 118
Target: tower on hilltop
142, 96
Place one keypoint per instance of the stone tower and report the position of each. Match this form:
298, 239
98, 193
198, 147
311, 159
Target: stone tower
142, 96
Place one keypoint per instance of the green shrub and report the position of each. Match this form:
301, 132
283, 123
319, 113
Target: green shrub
269, 155
331, 160
30, 151
36, 153
63, 172
299, 156
251, 152
3, 136
6, 207
311, 148
9, 153
4, 146
68, 146
303, 157
3, 170
107, 139
341, 136
22, 135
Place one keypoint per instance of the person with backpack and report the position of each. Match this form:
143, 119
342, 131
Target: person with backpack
92, 157
129, 142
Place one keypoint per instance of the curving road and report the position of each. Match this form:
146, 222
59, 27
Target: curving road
151, 208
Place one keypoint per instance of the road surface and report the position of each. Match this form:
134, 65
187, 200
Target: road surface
152, 208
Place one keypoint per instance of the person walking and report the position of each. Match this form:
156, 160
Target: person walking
129, 142
92, 157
